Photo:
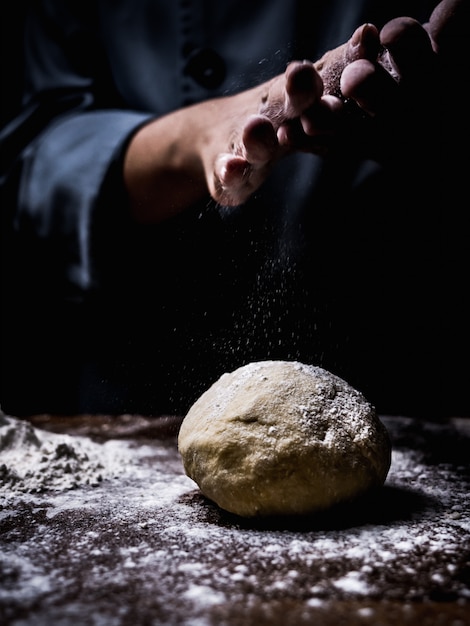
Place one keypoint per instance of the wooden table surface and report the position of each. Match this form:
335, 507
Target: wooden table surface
144, 547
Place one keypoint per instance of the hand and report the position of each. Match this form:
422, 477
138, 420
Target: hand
291, 114
226, 146
404, 92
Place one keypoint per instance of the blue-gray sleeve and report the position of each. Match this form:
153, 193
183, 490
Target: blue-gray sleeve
62, 184
62, 153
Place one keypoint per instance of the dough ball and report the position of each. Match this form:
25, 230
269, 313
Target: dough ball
283, 438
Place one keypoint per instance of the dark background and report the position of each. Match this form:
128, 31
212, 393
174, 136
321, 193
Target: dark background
391, 310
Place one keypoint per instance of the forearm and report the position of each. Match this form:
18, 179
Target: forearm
177, 160
163, 171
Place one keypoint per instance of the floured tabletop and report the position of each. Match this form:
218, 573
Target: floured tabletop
100, 526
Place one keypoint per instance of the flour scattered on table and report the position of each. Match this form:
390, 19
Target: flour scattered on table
146, 529
34, 460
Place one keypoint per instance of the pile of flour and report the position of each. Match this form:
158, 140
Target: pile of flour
34, 460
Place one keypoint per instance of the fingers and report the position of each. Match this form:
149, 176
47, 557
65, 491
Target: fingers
259, 140
364, 44
231, 174
373, 88
448, 25
303, 87
322, 117
235, 179
388, 74
313, 130
409, 48
400, 73
288, 105
263, 135
238, 174
293, 114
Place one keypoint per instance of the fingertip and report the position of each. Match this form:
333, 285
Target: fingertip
259, 140
355, 77
302, 77
283, 135
322, 118
230, 169
365, 42
332, 103
398, 28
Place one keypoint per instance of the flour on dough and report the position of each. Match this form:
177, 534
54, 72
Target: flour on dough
283, 438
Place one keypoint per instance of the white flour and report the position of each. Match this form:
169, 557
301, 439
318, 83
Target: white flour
143, 546
33, 460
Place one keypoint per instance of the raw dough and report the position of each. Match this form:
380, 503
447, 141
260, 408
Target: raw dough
283, 438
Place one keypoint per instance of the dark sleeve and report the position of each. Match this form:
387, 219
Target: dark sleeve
63, 148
